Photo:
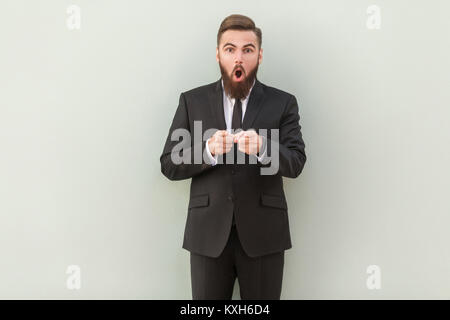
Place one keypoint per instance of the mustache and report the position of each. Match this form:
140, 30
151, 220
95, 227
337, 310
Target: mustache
238, 67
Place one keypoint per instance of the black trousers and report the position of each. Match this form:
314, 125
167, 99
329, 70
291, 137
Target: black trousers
259, 278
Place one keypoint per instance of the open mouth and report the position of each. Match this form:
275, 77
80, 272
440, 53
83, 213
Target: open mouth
238, 74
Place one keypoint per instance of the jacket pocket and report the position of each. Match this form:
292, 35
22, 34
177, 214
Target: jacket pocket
273, 201
199, 201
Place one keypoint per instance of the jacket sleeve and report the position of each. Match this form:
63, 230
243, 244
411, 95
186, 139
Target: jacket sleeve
188, 169
291, 148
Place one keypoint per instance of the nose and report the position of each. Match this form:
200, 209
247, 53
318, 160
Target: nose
238, 57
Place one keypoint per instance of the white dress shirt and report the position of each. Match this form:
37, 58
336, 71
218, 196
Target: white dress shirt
228, 105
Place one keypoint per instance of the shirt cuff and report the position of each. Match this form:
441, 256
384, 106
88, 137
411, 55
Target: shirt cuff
211, 158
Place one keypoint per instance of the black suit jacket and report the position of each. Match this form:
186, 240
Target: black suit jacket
259, 202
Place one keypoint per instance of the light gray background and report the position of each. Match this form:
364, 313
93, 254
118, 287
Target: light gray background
84, 115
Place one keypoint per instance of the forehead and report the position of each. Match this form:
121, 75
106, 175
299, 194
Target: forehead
239, 37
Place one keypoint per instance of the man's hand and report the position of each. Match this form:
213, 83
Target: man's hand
220, 143
248, 141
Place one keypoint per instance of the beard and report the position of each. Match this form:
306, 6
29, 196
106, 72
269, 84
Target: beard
235, 89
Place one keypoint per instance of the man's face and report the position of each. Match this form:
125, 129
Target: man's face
239, 57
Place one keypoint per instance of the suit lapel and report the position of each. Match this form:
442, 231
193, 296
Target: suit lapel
253, 105
216, 100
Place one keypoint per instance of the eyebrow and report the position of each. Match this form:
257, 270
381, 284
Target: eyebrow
230, 44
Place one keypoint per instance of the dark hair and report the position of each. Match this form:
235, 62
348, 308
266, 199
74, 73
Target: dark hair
239, 22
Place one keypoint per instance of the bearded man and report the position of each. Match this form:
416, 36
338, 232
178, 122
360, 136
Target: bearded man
237, 222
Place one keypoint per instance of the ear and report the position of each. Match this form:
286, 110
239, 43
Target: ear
260, 56
217, 54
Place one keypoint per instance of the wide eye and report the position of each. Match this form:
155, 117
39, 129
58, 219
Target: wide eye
229, 49
248, 50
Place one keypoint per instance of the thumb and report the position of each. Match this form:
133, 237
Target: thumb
238, 135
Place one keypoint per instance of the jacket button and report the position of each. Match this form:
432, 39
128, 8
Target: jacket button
232, 171
230, 198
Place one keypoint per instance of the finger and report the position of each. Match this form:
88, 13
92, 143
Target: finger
238, 135
249, 147
223, 138
241, 144
251, 133
244, 139
218, 134
229, 139
242, 148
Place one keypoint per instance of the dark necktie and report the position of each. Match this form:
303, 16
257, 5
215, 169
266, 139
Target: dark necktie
236, 124
237, 115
